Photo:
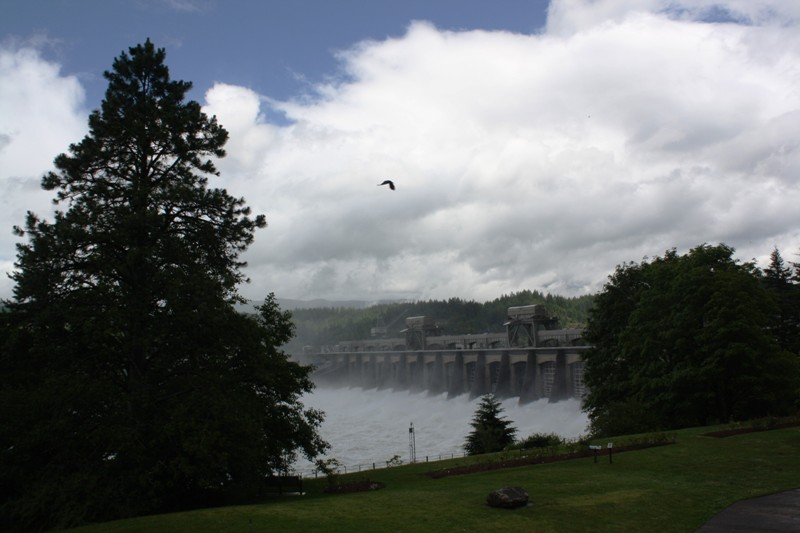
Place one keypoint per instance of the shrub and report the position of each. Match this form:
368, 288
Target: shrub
538, 440
330, 468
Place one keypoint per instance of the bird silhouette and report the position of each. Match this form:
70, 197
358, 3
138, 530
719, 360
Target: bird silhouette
390, 183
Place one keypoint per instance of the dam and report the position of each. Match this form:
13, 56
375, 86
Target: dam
531, 360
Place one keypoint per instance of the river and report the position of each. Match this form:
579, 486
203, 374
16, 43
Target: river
372, 426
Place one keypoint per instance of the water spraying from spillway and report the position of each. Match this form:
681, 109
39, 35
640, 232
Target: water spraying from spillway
372, 426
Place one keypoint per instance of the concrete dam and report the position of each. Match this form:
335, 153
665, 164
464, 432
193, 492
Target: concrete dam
532, 359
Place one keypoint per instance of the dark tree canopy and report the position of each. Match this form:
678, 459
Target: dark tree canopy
129, 382
781, 284
490, 431
684, 340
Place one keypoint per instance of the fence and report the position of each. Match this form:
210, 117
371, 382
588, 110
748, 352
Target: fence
544, 451
378, 465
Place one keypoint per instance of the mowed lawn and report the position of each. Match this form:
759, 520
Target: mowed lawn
675, 487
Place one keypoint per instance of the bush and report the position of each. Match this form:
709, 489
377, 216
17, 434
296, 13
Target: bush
538, 440
622, 418
330, 469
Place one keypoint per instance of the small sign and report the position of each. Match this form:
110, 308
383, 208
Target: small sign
610, 445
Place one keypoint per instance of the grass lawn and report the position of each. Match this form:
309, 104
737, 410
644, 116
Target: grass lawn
676, 487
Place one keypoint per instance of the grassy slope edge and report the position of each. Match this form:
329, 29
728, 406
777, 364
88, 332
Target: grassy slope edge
671, 488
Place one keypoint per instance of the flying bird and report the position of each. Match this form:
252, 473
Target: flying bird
389, 183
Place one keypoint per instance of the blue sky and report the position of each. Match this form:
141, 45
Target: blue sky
276, 47
535, 145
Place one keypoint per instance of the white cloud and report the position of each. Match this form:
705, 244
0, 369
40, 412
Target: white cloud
534, 161
524, 161
40, 114
39, 108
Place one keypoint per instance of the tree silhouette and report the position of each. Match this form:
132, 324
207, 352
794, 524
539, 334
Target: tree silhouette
130, 384
490, 432
685, 340
779, 282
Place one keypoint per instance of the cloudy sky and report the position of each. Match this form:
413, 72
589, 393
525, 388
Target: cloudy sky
534, 145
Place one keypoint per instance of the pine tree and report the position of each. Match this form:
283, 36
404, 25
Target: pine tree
130, 384
490, 432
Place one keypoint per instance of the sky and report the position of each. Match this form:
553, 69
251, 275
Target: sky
534, 145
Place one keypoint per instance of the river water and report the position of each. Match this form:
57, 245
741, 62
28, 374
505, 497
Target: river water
372, 426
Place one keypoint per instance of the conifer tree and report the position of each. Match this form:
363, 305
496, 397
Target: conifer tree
490, 431
130, 383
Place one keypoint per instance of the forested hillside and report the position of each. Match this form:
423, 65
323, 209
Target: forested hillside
456, 316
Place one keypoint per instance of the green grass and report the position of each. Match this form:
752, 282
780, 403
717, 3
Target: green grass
676, 487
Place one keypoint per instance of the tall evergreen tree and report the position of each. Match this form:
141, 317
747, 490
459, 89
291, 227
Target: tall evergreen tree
490, 431
129, 382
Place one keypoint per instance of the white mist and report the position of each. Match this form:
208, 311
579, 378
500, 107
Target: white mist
372, 426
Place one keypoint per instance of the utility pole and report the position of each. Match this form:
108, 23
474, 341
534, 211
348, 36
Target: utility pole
412, 445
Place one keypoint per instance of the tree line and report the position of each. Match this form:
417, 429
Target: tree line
680, 341
693, 339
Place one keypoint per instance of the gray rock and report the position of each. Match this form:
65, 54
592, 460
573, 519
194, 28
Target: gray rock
508, 498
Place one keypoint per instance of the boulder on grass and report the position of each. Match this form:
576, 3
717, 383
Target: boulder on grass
508, 498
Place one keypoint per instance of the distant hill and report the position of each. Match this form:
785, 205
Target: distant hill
319, 303
290, 304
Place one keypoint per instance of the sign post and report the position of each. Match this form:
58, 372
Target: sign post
595, 448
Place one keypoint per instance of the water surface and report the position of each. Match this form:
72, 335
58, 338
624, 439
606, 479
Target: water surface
372, 426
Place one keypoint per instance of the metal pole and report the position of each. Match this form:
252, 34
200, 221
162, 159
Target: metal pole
412, 445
